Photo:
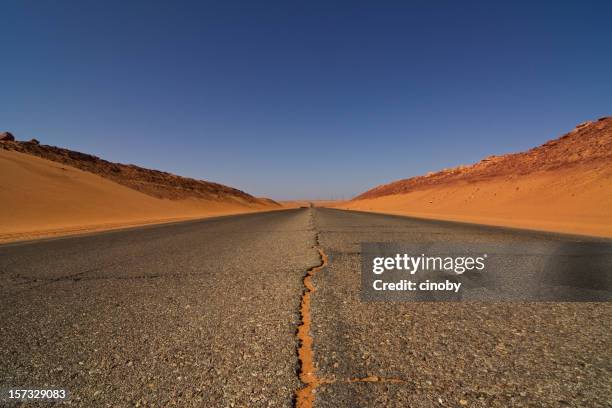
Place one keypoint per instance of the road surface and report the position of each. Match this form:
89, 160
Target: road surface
206, 313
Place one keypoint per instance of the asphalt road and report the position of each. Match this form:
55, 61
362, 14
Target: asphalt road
205, 314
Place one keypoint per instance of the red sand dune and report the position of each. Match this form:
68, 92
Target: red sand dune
563, 185
48, 191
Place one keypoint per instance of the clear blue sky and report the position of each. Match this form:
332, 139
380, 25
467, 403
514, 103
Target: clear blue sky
302, 99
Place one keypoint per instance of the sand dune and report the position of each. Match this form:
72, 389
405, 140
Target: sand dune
564, 185
44, 198
155, 183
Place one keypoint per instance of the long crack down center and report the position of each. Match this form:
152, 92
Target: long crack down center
308, 374
305, 396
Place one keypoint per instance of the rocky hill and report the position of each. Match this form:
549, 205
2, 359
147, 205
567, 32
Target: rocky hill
589, 144
155, 183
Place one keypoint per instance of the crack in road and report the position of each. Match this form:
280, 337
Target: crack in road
304, 397
308, 376
376, 379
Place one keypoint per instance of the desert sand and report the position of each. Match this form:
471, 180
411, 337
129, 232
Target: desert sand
42, 198
564, 185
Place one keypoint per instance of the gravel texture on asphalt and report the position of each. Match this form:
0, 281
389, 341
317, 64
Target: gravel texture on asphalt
473, 354
205, 314
199, 314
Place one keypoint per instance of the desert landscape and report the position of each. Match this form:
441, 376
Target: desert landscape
306, 204
565, 185
50, 191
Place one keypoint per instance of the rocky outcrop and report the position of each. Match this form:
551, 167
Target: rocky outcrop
6, 137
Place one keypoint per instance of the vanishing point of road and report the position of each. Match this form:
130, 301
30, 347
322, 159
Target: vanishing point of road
206, 314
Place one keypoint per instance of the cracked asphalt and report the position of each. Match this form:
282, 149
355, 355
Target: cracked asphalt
477, 354
205, 313
197, 314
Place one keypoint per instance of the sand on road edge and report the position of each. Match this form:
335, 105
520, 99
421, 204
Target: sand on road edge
575, 201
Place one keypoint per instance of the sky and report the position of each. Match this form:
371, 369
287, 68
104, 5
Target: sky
302, 100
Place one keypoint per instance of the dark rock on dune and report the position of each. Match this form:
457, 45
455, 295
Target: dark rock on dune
7, 137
